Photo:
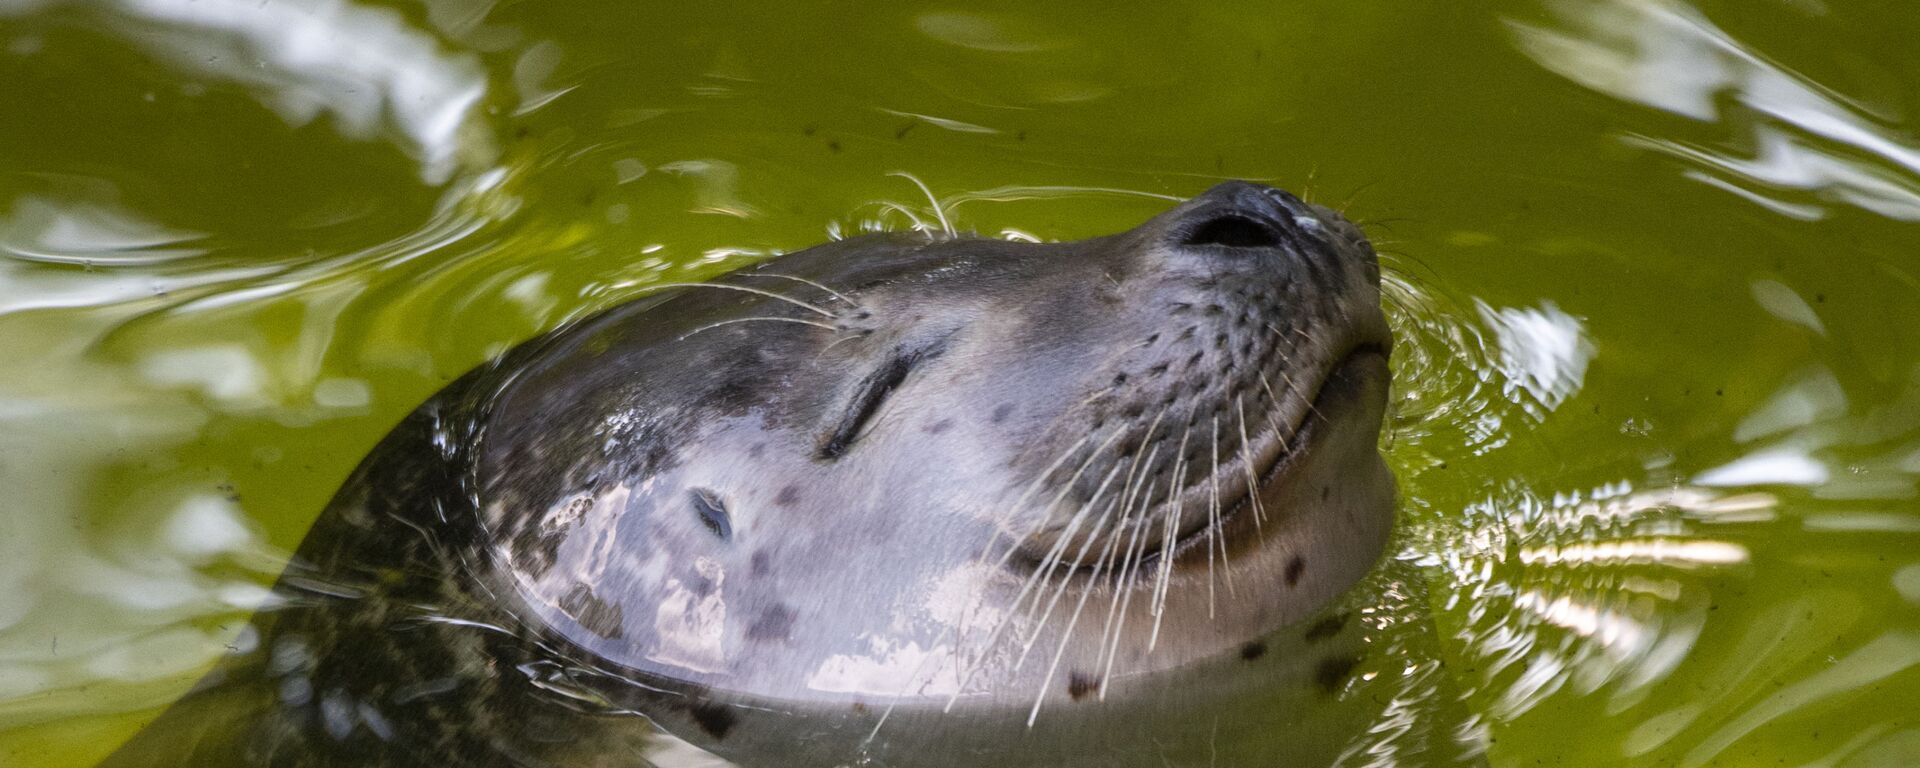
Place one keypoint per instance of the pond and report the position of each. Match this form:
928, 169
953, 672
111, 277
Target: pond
1654, 270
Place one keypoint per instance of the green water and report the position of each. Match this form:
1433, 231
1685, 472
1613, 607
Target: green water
1666, 256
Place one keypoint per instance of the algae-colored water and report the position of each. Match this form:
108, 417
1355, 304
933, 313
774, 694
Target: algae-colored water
1654, 268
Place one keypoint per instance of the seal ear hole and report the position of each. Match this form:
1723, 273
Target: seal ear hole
1233, 231
712, 512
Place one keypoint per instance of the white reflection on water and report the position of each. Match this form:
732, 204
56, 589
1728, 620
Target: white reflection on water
1811, 433
148, 593
1488, 380
1804, 136
73, 613
367, 68
1783, 465
984, 32
108, 252
1787, 304
1543, 353
1587, 590
1813, 396
717, 186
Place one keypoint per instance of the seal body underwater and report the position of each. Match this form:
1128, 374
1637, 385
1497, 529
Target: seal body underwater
894, 500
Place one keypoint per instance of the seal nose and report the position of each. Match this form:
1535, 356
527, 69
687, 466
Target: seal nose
1240, 214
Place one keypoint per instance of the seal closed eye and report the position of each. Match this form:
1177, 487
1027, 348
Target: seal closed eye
872, 393
898, 500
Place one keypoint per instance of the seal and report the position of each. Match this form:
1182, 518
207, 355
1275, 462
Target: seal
903, 499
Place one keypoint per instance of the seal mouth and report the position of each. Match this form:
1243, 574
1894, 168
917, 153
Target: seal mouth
1276, 455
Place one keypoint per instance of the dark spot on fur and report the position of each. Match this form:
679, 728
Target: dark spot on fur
757, 450
1252, 651
598, 616
1333, 671
1295, 567
761, 564
701, 585
1079, 684
787, 495
939, 426
1326, 628
715, 719
1001, 412
774, 625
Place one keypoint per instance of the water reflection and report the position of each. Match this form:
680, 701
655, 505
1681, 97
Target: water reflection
1589, 590
374, 74
132, 316
1803, 137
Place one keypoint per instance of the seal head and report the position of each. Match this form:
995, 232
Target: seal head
896, 500
964, 480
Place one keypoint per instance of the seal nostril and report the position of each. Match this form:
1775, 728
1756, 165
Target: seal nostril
712, 512
1234, 231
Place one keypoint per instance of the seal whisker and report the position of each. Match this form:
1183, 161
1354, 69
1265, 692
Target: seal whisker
1219, 536
1141, 461
798, 320
1355, 195
1113, 540
1033, 486
1135, 546
836, 342
908, 683
1067, 575
1213, 515
1139, 549
938, 211
1286, 435
804, 281
1292, 388
1121, 584
919, 224
1013, 609
1027, 493
1300, 393
1216, 540
744, 289
1134, 479
1169, 540
1246, 462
